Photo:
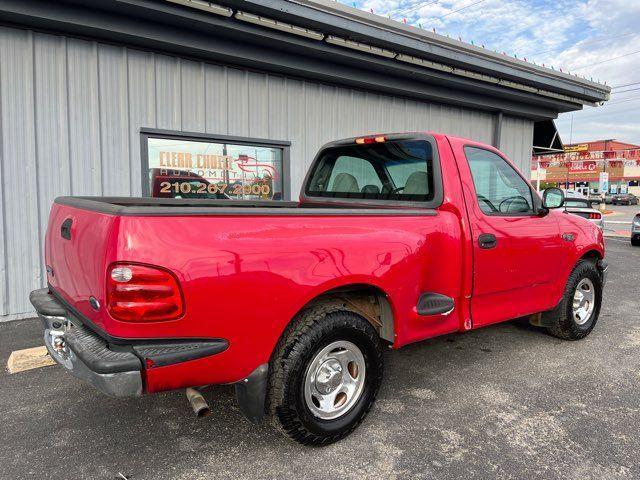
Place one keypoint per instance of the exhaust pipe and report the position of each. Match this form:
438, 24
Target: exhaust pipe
198, 403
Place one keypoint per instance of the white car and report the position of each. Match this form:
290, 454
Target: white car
582, 207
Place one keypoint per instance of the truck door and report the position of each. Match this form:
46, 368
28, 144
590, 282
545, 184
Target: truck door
516, 250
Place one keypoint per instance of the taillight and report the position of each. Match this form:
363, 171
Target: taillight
367, 140
595, 216
140, 293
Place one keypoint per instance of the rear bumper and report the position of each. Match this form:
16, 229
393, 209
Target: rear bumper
83, 353
114, 369
126, 383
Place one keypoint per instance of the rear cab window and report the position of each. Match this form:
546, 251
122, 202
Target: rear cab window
390, 171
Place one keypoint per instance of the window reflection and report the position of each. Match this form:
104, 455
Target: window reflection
201, 169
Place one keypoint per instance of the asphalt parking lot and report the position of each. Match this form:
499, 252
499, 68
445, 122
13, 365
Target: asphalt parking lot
618, 222
506, 401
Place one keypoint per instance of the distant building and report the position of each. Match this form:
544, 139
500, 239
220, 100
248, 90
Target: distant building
579, 167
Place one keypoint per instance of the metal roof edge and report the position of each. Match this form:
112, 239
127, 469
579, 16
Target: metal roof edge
385, 32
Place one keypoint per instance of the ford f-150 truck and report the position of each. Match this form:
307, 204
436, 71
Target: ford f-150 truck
395, 239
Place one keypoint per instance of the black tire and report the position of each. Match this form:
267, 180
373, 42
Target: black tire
309, 333
565, 326
635, 241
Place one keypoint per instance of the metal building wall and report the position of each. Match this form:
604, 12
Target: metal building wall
71, 110
516, 140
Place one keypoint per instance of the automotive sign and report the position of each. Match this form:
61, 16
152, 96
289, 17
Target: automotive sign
200, 169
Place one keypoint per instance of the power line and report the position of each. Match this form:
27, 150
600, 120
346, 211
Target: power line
416, 7
622, 100
627, 85
456, 11
600, 113
605, 61
627, 90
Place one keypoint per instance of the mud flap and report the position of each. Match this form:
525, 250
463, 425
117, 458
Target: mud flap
252, 392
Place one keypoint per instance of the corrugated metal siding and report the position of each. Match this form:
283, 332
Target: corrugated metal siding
71, 110
516, 139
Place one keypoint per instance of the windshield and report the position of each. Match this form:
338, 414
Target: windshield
393, 170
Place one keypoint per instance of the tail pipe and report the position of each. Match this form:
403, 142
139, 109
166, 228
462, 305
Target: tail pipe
198, 403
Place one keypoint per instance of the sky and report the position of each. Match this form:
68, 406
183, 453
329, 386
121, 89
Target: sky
593, 38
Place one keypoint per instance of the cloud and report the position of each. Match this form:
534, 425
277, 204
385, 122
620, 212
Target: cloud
569, 34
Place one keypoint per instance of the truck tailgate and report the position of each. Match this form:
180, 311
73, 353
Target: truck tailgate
77, 253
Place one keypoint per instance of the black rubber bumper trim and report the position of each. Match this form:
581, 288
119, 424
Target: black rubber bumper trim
46, 304
95, 352
170, 353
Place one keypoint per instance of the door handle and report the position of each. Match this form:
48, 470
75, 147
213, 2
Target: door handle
487, 240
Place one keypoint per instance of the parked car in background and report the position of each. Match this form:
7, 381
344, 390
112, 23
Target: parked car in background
573, 193
635, 231
624, 199
582, 208
594, 198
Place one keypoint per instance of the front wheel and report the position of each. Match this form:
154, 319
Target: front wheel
580, 306
325, 374
635, 240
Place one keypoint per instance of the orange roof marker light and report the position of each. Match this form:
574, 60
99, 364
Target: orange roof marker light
366, 140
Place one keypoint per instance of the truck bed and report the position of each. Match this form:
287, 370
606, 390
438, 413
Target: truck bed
170, 207
244, 268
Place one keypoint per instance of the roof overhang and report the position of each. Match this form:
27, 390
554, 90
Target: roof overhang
324, 41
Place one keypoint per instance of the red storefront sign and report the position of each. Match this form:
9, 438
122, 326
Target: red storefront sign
582, 167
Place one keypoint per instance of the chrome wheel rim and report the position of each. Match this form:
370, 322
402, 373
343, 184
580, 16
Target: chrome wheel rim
334, 380
583, 301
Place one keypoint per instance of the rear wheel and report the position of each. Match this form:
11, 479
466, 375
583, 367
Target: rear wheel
579, 309
635, 240
325, 375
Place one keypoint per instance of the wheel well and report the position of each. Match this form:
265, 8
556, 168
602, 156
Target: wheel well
593, 255
366, 300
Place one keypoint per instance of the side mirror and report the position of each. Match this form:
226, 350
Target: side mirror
552, 198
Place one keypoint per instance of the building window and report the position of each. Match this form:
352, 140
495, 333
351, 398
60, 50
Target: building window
181, 165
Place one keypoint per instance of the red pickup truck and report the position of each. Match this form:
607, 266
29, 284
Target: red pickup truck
395, 239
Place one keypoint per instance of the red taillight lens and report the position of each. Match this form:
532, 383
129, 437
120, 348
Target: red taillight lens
595, 216
140, 293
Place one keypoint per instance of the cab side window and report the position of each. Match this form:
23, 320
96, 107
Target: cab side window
499, 188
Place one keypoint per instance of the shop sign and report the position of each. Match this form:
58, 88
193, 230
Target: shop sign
201, 169
583, 147
582, 167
